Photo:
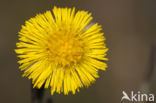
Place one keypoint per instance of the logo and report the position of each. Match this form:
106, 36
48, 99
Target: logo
137, 96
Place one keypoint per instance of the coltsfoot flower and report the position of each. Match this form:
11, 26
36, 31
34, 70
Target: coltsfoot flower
61, 50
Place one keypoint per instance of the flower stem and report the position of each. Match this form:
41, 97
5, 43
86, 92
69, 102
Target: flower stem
37, 94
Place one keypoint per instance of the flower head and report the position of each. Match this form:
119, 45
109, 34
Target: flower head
62, 50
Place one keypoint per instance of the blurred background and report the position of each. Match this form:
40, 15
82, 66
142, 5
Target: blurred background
130, 29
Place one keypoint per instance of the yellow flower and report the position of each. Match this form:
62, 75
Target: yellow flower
62, 50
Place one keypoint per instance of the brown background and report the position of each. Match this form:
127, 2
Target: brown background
129, 27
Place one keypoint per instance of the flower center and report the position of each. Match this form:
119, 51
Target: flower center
64, 49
